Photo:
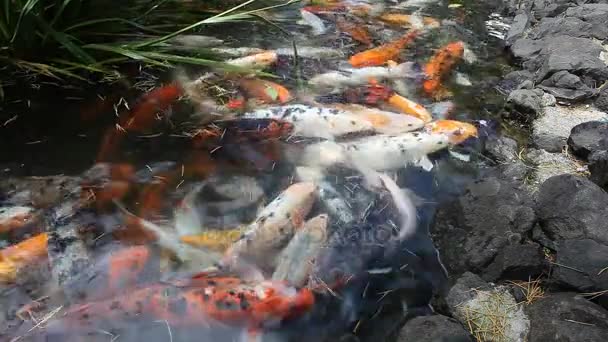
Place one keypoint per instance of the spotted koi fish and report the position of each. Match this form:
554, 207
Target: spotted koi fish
383, 53
440, 65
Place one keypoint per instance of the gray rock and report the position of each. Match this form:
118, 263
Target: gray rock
556, 317
524, 103
602, 100
588, 137
549, 100
552, 129
516, 262
584, 260
548, 165
598, 167
513, 80
526, 48
435, 328
595, 15
518, 27
473, 301
549, 8
576, 55
501, 149
491, 214
573, 207
572, 27
567, 86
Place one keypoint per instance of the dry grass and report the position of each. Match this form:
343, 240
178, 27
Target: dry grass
488, 322
594, 295
532, 290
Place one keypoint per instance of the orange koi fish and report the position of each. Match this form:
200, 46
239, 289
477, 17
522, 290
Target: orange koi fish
440, 65
409, 107
357, 32
457, 131
383, 53
240, 131
125, 265
408, 20
203, 300
265, 91
215, 240
17, 257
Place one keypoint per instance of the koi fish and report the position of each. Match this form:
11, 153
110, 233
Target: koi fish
265, 91
314, 122
257, 61
334, 80
241, 130
440, 65
408, 20
203, 300
215, 240
317, 25
383, 53
409, 107
379, 152
311, 52
457, 131
404, 204
16, 258
356, 32
237, 52
383, 121
274, 226
295, 262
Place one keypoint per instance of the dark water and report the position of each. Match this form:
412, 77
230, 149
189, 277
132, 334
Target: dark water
59, 130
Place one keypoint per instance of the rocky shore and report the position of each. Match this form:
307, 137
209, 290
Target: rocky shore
533, 230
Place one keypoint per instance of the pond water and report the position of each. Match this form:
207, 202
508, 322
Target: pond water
200, 180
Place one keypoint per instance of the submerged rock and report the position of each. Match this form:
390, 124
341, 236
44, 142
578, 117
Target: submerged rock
598, 166
517, 262
573, 207
552, 129
491, 312
567, 317
588, 137
514, 80
584, 259
470, 231
501, 149
433, 329
524, 103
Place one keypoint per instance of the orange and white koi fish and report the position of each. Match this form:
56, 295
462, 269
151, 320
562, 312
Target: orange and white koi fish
16, 258
257, 61
440, 65
383, 53
383, 121
457, 131
408, 20
274, 227
265, 91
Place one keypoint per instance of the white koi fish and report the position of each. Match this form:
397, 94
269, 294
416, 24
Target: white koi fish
383, 121
274, 226
295, 262
317, 25
257, 61
350, 77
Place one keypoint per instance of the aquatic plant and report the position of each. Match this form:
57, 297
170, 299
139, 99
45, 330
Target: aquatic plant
80, 38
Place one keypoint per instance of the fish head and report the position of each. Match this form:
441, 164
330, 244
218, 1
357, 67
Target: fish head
457, 131
455, 49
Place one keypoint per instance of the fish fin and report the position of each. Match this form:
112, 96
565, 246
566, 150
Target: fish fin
425, 163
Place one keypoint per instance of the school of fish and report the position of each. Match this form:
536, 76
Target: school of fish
247, 255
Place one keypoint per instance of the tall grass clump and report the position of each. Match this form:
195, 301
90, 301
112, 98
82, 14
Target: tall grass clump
80, 38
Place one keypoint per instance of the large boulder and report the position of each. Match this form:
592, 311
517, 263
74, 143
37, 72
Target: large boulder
435, 328
588, 137
573, 207
517, 262
572, 27
491, 214
582, 262
566, 86
567, 317
595, 15
518, 27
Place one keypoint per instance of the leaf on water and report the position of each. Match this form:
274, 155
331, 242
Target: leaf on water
272, 93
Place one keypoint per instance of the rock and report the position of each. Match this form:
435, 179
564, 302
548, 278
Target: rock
588, 137
526, 48
548, 165
524, 103
491, 214
435, 328
602, 100
584, 260
552, 129
549, 8
566, 86
518, 27
473, 301
549, 100
595, 15
579, 56
516, 262
513, 80
567, 317
501, 149
573, 207
572, 27
598, 167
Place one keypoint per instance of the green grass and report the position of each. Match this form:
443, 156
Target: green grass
85, 38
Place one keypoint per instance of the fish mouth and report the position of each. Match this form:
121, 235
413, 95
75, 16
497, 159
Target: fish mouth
457, 131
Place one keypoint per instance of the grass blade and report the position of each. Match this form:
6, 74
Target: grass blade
65, 41
136, 55
25, 10
109, 20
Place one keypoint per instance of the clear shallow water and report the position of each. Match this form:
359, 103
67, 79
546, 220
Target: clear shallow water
168, 167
